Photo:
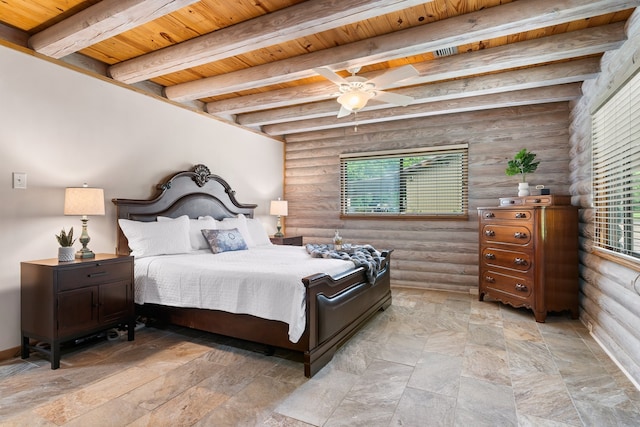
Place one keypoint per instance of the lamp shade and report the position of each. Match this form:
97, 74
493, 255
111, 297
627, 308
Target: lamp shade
279, 207
354, 100
83, 201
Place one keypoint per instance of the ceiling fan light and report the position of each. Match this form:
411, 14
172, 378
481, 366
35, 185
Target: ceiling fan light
355, 100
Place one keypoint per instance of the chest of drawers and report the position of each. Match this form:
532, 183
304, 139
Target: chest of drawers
528, 255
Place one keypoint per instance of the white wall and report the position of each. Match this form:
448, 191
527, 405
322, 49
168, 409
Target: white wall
64, 128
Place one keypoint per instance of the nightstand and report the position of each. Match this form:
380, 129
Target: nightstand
287, 240
61, 301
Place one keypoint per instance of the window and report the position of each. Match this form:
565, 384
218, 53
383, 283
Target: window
422, 183
616, 172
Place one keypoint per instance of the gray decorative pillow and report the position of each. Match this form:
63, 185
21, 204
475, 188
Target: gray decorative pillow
224, 240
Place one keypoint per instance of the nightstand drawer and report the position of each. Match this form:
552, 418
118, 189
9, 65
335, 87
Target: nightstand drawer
95, 273
287, 240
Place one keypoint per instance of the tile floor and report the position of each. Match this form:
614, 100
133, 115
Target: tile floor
433, 358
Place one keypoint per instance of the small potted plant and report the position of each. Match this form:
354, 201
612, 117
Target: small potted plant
65, 251
522, 163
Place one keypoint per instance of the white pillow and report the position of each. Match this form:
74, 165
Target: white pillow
239, 222
157, 238
258, 233
195, 234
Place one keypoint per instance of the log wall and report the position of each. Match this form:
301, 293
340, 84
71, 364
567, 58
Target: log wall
609, 299
434, 254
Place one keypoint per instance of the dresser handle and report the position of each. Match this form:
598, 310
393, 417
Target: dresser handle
520, 287
489, 233
98, 274
489, 279
537, 200
489, 256
520, 261
489, 215
521, 215
520, 235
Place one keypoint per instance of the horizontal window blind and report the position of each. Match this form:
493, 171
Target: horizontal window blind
616, 171
421, 182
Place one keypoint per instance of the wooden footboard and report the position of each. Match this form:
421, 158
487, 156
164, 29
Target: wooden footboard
338, 307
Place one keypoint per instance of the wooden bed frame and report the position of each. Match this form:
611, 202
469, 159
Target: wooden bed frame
336, 307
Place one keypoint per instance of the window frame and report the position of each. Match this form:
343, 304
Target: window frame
604, 195
404, 153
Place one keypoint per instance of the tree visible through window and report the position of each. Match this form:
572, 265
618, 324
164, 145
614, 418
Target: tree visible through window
427, 182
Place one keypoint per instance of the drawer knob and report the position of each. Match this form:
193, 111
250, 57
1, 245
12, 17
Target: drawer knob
489, 279
489, 256
489, 215
520, 261
490, 233
520, 235
521, 215
537, 200
521, 288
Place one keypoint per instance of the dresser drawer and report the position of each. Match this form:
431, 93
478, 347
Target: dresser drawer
520, 261
510, 234
490, 215
96, 273
541, 200
518, 287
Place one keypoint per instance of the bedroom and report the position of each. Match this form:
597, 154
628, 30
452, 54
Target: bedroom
63, 128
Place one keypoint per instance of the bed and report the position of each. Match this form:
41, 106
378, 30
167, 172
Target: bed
335, 305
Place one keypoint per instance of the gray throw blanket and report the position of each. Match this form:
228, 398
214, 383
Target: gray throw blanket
362, 256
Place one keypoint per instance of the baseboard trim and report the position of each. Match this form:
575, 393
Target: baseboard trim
618, 364
9, 353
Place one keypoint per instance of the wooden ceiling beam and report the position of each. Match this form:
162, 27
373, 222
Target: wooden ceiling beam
417, 128
544, 95
287, 24
541, 76
520, 16
558, 47
100, 22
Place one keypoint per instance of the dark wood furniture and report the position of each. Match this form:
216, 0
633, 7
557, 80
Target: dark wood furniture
61, 301
335, 307
287, 240
529, 254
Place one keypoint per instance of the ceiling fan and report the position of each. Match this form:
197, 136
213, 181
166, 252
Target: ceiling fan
356, 91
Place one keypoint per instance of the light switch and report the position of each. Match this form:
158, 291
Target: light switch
20, 180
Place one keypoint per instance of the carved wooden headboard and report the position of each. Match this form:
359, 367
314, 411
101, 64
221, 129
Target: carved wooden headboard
194, 193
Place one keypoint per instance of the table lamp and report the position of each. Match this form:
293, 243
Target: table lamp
280, 208
84, 201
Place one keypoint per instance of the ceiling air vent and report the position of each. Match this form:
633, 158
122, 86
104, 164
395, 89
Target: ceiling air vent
447, 51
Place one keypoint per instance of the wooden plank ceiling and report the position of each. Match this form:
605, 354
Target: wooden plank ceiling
252, 61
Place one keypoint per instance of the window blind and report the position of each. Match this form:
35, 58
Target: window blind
427, 182
616, 171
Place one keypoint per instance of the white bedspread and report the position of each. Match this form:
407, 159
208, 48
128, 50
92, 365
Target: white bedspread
262, 281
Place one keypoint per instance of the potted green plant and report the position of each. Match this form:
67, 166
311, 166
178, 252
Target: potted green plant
66, 241
522, 163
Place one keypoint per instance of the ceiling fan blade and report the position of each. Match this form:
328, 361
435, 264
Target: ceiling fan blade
343, 112
394, 75
393, 98
330, 75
